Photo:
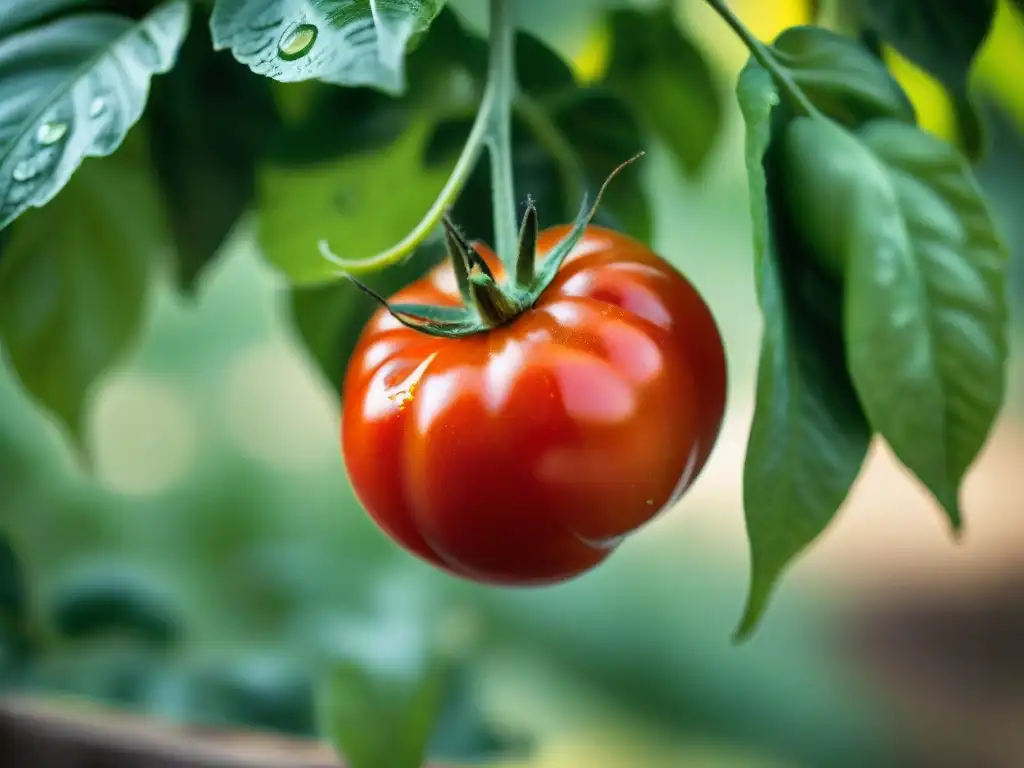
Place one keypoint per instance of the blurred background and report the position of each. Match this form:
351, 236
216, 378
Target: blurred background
216, 501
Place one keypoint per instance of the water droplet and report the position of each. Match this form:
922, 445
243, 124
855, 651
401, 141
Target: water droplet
32, 166
96, 106
297, 42
24, 170
51, 132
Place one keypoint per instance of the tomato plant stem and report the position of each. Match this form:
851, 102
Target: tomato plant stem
765, 58
501, 88
492, 129
445, 199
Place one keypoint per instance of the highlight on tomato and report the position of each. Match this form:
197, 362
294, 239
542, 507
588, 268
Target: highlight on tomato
512, 429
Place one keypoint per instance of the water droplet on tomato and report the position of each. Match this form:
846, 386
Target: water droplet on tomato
297, 42
51, 132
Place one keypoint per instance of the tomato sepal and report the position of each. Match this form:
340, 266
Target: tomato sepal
487, 302
543, 277
526, 260
450, 322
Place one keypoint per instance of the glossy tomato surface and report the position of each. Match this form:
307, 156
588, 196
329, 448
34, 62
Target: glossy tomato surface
524, 454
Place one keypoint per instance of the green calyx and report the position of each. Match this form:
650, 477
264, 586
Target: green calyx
487, 301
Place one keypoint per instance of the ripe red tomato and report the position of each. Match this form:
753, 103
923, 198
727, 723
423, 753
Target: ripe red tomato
523, 455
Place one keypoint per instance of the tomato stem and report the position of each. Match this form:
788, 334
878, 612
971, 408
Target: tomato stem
492, 129
766, 59
501, 87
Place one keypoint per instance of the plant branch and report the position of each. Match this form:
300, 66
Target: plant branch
491, 129
445, 199
765, 58
500, 93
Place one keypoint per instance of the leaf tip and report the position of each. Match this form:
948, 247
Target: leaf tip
948, 497
763, 579
753, 612
956, 519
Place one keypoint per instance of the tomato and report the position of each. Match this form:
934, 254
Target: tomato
524, 454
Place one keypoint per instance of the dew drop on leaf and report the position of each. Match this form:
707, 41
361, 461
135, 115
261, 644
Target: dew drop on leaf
31, 167
24, 171
51, 132
96, 106
297, 42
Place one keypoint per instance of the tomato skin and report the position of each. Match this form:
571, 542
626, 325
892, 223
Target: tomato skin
523, 455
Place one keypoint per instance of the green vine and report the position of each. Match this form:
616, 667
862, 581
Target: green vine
492, 130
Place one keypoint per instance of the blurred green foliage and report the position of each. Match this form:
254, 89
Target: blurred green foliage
212, 564
220, 484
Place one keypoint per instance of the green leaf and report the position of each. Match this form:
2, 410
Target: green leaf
758, 100
72, 88
926, 307
943, 38
821, 178
808, 439
103, 599
360, 204
540, 71
329, 318
342, 42
809, 435
75, 277
383, 695
603, 133
666, 79
899, 215
563, 25
841, 77
21, 14
449, 41
337, 122
210, 121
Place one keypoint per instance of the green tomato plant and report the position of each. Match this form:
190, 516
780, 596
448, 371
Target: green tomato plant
136, 135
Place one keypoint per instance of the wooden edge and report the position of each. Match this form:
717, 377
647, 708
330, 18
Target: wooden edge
37, 734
